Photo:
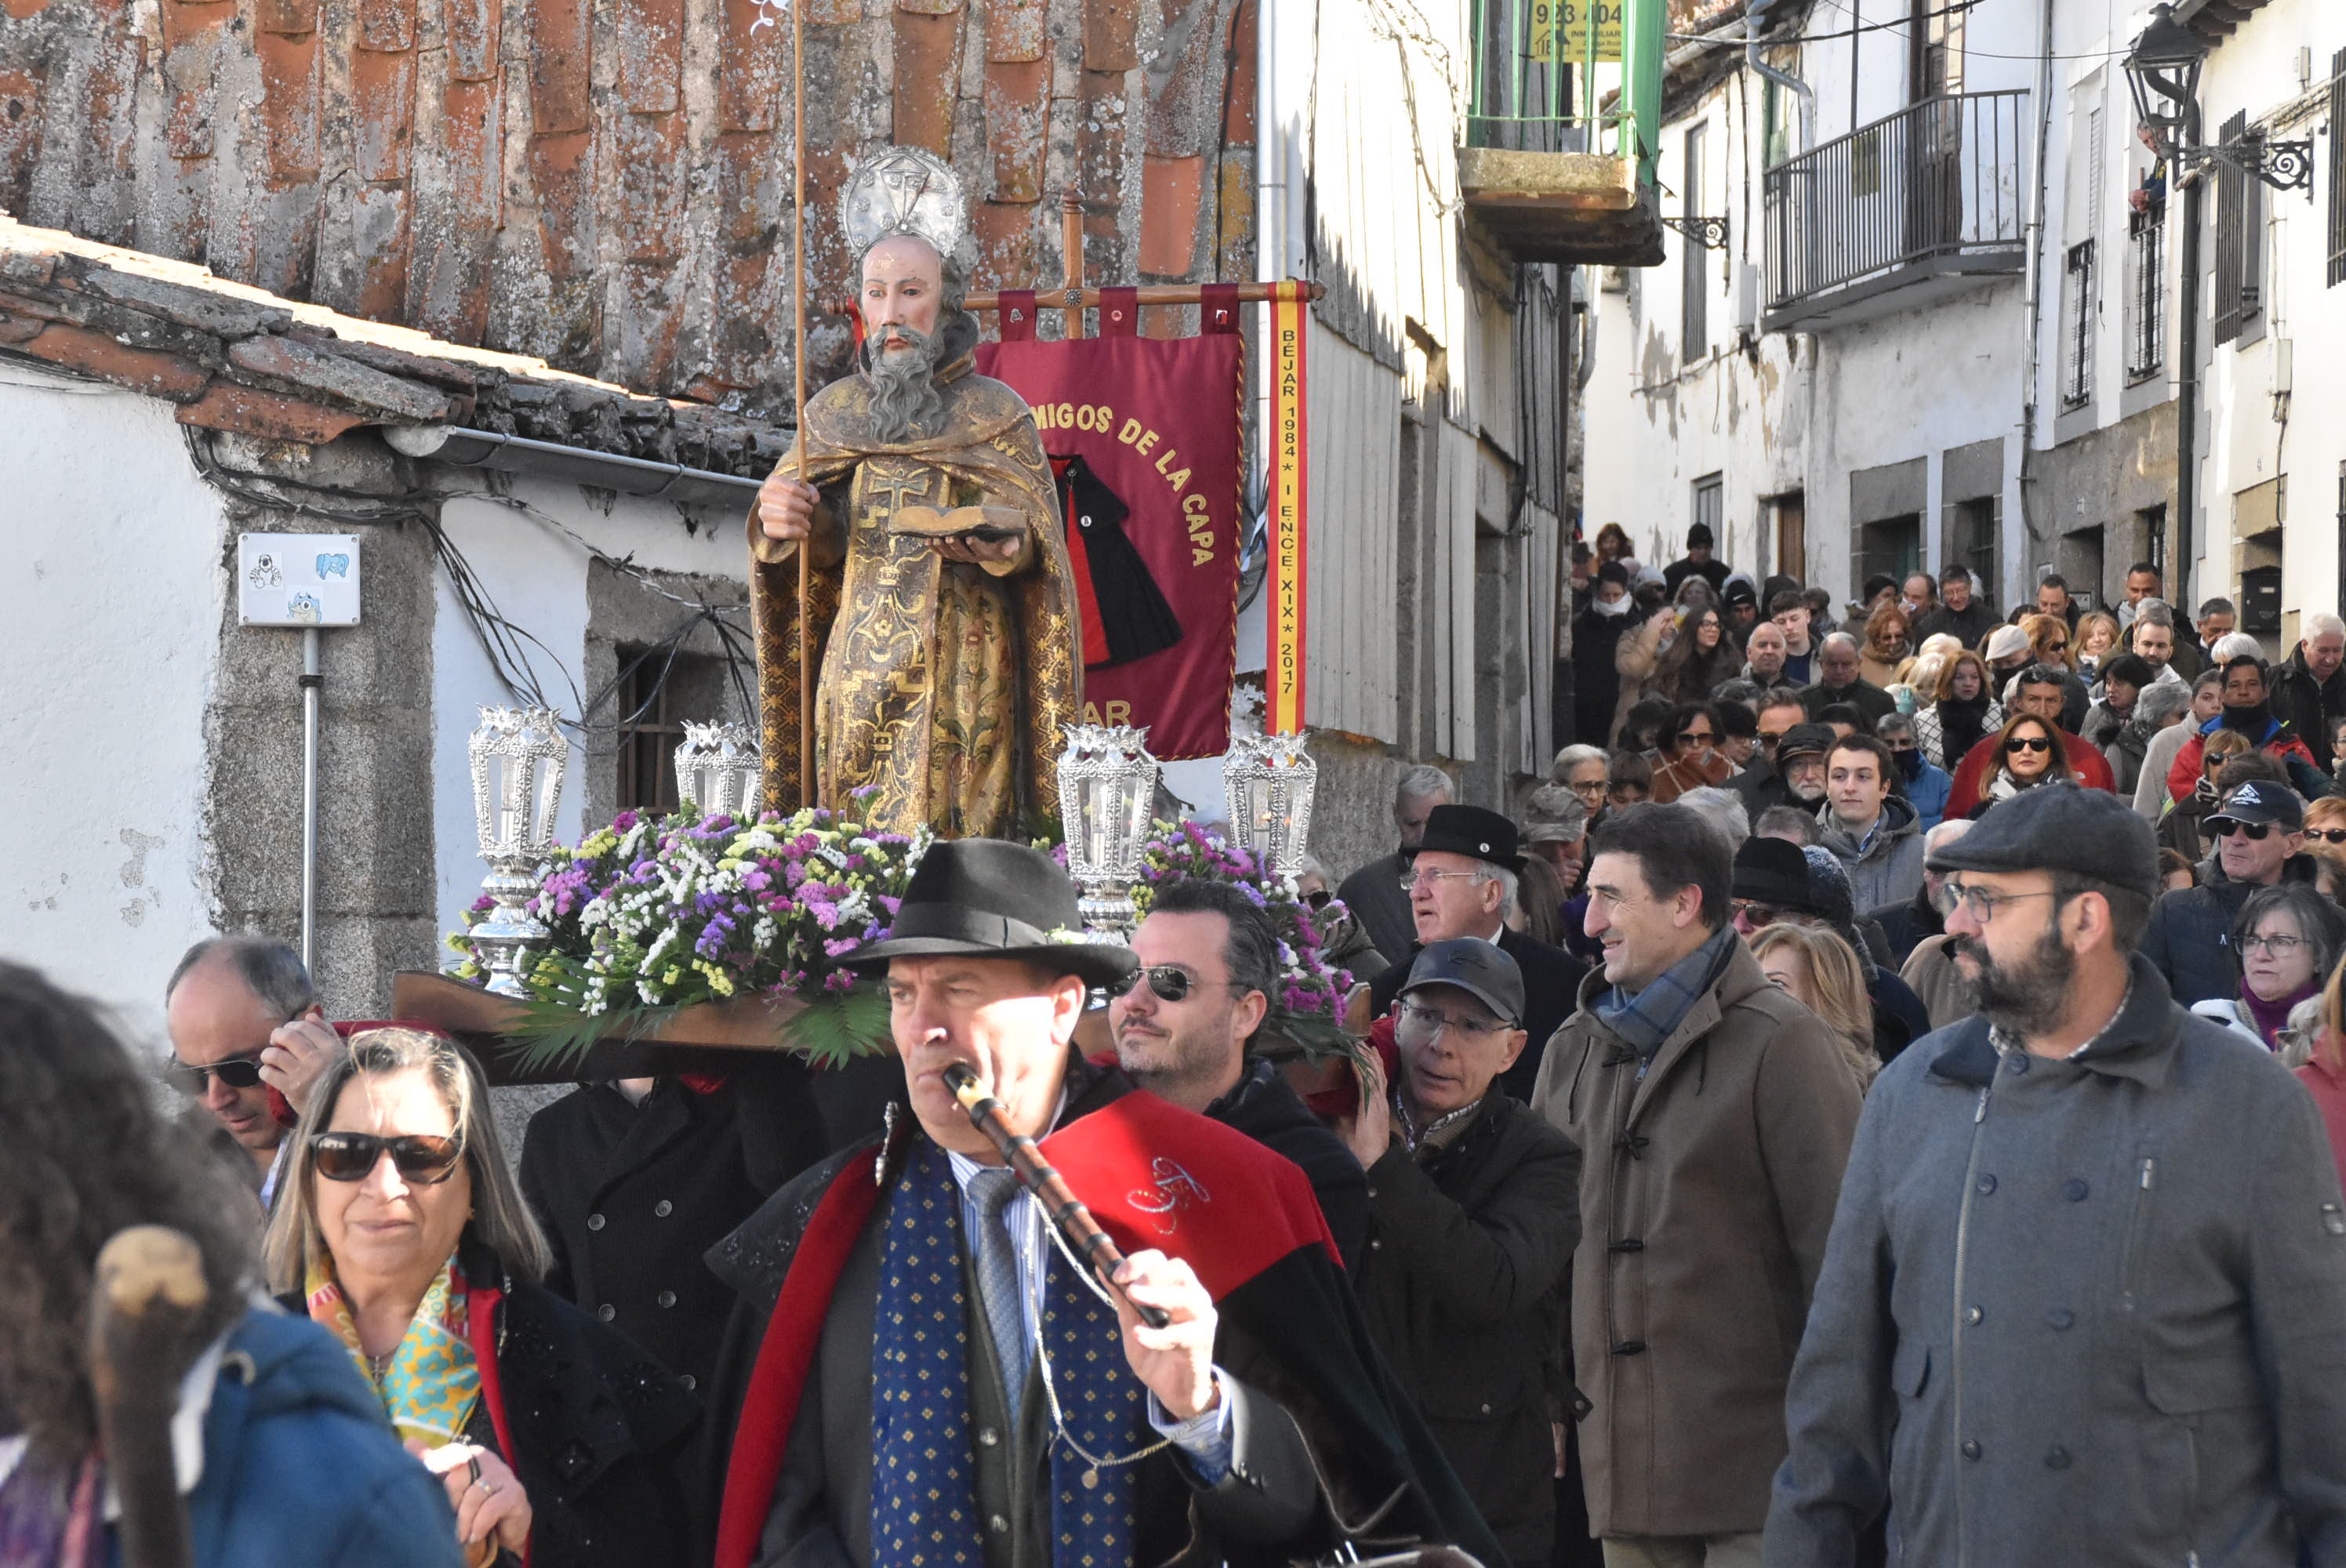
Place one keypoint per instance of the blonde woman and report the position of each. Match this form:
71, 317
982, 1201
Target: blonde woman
2095, 642
400, 1231
1820, 970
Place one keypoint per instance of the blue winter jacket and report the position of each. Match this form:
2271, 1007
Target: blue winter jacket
301, 1470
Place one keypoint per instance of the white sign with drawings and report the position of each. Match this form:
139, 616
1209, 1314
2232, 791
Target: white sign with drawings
297, 579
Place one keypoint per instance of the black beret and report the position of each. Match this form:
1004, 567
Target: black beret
2060, 826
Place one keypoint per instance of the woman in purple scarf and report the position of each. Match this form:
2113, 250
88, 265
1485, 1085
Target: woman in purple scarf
2286, 941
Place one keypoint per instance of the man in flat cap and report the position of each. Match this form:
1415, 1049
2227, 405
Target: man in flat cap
2085, 1300
916, 1374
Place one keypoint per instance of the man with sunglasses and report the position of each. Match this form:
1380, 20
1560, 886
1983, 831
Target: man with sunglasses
1185, 1023
1461, 882
2085, 1300
2260, 833
248, 1040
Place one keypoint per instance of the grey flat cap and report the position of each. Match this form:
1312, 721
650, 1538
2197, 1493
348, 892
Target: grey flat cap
2060, 826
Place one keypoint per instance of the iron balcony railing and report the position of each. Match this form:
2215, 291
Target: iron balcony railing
1936, 187
1568, 75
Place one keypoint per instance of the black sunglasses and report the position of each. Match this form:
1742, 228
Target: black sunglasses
350, 1156
2225, 827
1703, 736
1170, 982
2327, 835
2028, 743
1319, 898
237, 1072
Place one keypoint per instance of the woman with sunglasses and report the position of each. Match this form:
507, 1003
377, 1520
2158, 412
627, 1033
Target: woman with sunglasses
2325, 828
2285, 944
2028, 754
402, 1233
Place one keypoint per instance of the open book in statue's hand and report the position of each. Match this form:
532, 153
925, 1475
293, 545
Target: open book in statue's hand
971, 525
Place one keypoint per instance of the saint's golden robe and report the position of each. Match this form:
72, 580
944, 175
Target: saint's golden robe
940, 687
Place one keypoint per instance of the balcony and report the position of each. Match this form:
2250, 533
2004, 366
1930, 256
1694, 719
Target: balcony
1558, 163
1923, 204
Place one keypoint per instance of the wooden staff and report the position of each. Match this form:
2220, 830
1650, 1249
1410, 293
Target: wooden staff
1075, 1224
148, 1293
799, 296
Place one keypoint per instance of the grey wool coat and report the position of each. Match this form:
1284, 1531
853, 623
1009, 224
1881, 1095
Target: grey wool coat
2078, 1311
1707, 1192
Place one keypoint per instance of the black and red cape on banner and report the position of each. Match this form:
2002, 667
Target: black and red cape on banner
1152, 507
1155, 1177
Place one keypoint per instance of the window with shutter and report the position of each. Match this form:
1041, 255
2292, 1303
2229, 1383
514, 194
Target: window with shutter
2336, 235
2077, 308
2239, 240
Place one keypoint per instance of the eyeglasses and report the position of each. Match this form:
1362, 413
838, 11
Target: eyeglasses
1757, 914
351, 1156
2225, 827
237, 1072
1170, 982
1422, 1022
1412, 881
2027, 743
1697, 737
1981, 904
2277, 946
1318, 898
2327, 835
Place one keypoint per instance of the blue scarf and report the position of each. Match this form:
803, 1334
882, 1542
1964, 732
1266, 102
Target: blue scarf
1647, 1018
923, 1477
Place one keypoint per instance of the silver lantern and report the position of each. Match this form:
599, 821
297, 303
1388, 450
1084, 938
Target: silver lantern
719, 769
518, 757
1107, 782
1266, 784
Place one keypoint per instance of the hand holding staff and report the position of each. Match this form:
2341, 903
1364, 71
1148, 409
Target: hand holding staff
147, 1299
1082, 1233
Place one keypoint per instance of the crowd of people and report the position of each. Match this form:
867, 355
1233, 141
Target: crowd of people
1880, 1099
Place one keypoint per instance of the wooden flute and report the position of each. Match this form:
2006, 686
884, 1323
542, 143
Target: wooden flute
1075, 1224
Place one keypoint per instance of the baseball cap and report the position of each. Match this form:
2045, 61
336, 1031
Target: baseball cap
1475, 967
2262, 802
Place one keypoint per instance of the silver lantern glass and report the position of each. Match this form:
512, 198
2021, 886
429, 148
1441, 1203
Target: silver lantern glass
1267, 785
518, 757
719, 769
1107, 782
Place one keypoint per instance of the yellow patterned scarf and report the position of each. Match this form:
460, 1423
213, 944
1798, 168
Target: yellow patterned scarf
432, 1383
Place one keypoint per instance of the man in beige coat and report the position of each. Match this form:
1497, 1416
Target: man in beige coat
1714, 1114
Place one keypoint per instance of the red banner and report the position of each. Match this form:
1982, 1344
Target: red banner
1143, 435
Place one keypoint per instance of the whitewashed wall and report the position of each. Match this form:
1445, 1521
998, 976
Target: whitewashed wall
109, 616
538, 576
2253, 435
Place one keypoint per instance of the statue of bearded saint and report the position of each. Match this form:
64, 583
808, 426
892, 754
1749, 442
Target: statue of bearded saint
943, 606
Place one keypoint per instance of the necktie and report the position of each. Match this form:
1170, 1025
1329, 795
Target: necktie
998, 1281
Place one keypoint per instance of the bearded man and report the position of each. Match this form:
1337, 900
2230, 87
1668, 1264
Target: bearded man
2085, 1257
942, 605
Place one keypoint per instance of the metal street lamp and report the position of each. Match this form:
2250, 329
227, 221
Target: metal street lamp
1267, 783
719, 769
518, 757
2163, 73
1107, 782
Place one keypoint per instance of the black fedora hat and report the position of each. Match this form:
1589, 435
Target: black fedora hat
1471, 831
991, 899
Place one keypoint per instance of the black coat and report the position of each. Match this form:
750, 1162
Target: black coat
1904, 925
1967, 625
633, 1196
1265, 1109
1380, 908
1861, 694
1551, 991
598, 1428
2309, 705
1469, 1247
1596, 681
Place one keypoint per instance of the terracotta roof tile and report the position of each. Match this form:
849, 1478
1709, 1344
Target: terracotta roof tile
96, 354
1018, 126
753, 71
380, 238
290, 82
20, 134
651, 54
928, 53
1102, 115
190, 49
1111, 35
654, 182
471, 30
561, 58
1005, 244
1016, 29
1238, 119
386, 25
566, 207
249, 411
1168, 213
383, 105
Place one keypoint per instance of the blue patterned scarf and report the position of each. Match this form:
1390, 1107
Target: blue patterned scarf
923, 1477
1647, 1018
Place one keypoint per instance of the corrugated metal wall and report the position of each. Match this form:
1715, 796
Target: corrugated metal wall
1351, 676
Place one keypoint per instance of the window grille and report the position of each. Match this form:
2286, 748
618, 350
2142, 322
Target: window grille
2146, 293
2078, 307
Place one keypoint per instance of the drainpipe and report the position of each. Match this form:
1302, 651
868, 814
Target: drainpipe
2033, 281
462, 448
1790, 84
2187, 383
